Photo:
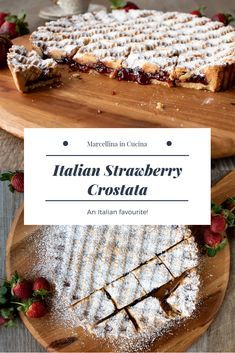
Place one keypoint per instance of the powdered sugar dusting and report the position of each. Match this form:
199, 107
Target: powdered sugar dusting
22, 59
94, 271
163, 39
183, 300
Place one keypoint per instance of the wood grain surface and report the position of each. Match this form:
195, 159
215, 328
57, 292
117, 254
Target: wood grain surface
89, 101
53, 337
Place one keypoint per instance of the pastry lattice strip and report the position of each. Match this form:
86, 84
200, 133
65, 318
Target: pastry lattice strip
172, 31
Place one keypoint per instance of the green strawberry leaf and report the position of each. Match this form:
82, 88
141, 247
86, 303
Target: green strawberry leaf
3, 291
230, 217
6, 176
3, 300
216, 209
10, 323
22, 28
116, 4
22, 16
202, 9
6, 313
212, 251
11, 188
15, 278
43, 293
12, 18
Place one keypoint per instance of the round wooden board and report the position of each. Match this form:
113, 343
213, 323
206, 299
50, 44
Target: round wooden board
96, 101
54, 337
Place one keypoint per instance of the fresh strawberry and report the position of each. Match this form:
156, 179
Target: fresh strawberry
212, 239
123, 5
14, 26
218, 223
2, 321
196, 13
223, 17
20, 287
130, 6
199, 12
41, 287
22, 290
16, 180
35, 309
7, 322
9, 28
3, 15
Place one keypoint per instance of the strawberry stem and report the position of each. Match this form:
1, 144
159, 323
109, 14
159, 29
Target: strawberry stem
202, 10
18, 303
232, 209
117, 4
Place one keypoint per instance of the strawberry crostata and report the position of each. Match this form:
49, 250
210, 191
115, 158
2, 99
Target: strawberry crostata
144, 46
120, 282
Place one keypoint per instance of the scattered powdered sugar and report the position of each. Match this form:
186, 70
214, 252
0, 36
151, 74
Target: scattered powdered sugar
97, 273
207, 101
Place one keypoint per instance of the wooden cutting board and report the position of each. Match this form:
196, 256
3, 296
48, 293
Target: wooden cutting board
55, 338
96, 101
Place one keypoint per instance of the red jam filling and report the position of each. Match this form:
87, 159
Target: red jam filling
142, 77
136, 75
133, 75
125, 74
198, 79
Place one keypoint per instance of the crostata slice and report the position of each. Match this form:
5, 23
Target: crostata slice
30, 71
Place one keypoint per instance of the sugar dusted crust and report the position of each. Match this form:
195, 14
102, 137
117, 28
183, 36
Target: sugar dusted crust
94, 308
117, 326
114, 280
152, 275
144, 46
184, 299
125, 290
148, 313
186, 250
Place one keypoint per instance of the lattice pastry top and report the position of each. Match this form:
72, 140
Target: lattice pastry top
105, 276
22, 59
181, 47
